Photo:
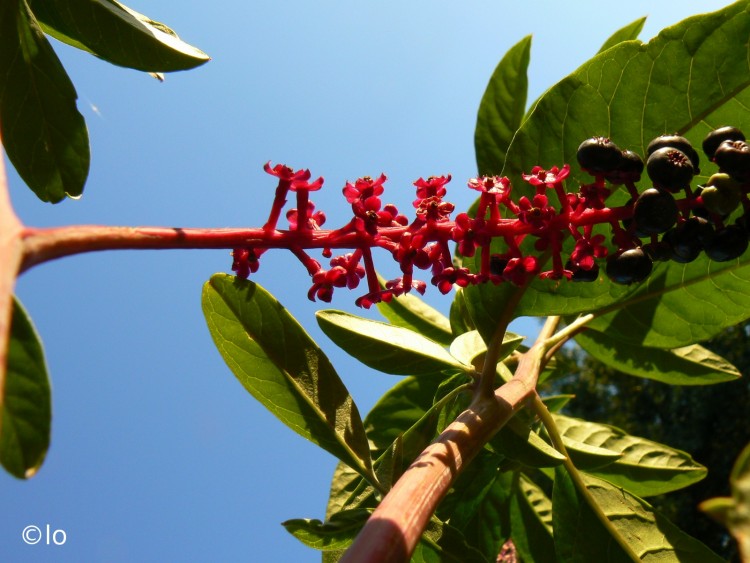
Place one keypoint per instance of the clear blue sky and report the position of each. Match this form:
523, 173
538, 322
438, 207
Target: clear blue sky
158, 454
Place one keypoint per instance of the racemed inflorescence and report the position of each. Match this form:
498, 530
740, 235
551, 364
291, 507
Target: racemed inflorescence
513, 241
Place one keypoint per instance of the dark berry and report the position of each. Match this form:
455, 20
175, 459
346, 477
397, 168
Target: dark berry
733, 157
669, 169
728, 244
581, 275
629, 169
687, 240
718, 136
655, 211
598, 155
721, 194
629, 266
675, 142
658, 252
497, 264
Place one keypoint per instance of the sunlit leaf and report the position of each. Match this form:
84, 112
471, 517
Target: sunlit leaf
43, 133
516, 441
467, 347
502, 108
689, 365
409, 311
25, 402
734, 512
281, 366
626, 33
581, 536
644, 468
385, 347
117, 34
632, 93
531, 522
337, 532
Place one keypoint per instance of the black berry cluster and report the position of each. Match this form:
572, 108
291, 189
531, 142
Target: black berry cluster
715, 218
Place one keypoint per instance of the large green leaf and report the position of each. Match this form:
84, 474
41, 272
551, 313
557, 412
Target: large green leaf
477, 504
626, 33
689, 365
531, 522
734, 512
387, 348
442, 543
117, 34
692, 77
409, 311
502, 108
43, 133
643, 467
337, 532
280, 365
25, 400
581, 537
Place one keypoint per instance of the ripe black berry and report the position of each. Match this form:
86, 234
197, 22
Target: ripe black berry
733, 157
687, 240
728, 244
718, 136
581, 275
669, 169
629, 266
497, 265
629, 169
655, 211
675, 142
598, 155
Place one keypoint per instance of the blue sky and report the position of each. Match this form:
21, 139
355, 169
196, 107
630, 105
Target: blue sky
157, 451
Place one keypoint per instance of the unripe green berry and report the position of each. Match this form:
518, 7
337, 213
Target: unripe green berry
721, 194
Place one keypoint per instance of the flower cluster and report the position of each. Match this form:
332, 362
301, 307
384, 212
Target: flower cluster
549, 232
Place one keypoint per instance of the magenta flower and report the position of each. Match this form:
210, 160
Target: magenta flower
448, 277
541, 177
497, 186
469, 233
517, 270
586, 250
364, 188
315, 219
536, 212
434, 186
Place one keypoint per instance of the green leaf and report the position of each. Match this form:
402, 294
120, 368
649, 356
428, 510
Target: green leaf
409, 311
580, 535
631, 93
502, 108
441, 542
467, 347
644, 468
117, 34
627, 33
338, 532
516, 441
398, 410
460, 318
477, 504
734, 512
43, 133
689, 365
25, 402
280, 365
531, 522
387, 348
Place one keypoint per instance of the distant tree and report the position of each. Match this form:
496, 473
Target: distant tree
710, 422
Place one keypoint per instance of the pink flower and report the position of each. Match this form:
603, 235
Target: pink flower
536, 212
315, 219
446, 279
541, 177
293, 179
434, 186
469, 233
497, 186
517, 270
364, 188
434, 209
592, 196
586, 250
